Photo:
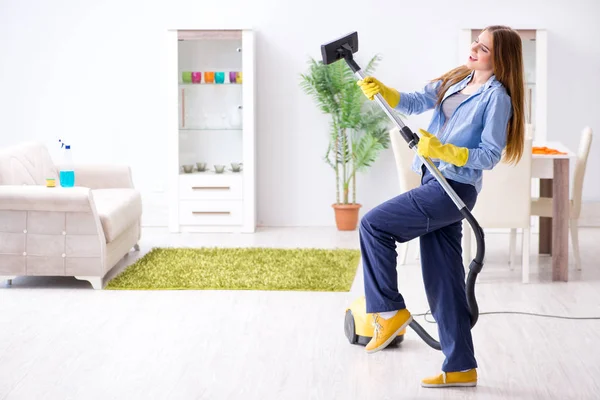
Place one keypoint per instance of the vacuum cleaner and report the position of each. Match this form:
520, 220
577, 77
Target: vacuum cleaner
356, 327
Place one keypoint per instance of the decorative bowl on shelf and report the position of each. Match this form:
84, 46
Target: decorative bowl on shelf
219, 169
209, 77
236, 167
219, 77
188, 168
186, 77
196, 77
201, 166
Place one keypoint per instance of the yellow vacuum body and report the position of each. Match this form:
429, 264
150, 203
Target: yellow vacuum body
358, 325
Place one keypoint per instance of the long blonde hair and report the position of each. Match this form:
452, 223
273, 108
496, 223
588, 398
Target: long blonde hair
507, 61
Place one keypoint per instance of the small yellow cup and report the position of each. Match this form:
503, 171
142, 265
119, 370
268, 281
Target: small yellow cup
50, 182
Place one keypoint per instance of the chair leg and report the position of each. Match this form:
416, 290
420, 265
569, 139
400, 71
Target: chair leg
466, 244
525, 256
512, 247
418, 250
575, 241
403, 252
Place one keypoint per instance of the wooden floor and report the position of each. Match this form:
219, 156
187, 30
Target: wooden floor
59, 339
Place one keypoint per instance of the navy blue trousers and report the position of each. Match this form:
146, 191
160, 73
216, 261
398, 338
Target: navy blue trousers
426, 212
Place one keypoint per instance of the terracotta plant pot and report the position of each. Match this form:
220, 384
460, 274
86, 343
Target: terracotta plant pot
346, 216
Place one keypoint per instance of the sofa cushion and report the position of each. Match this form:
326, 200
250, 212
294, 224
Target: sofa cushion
26, 164
118, 209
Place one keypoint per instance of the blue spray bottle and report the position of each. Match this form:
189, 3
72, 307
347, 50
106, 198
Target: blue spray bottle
67, 169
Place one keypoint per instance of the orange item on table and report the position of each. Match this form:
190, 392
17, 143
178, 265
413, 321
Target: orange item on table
545, 150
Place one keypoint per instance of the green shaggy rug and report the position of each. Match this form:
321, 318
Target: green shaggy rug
240, 269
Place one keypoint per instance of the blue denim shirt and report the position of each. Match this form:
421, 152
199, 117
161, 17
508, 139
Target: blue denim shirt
479, 123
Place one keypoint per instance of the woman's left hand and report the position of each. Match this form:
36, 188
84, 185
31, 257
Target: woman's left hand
430, 146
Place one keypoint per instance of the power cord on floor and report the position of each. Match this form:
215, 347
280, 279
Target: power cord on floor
514, 312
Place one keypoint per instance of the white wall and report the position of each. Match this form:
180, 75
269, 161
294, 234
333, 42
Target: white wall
93, 74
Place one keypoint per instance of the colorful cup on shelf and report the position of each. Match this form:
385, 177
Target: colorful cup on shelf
209, 77
238, 77
196, 77
219, 77
186, 77
232, 75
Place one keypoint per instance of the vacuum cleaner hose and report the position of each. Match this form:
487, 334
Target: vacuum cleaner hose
476, 265
425, 336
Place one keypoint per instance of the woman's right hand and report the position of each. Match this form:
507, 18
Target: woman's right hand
371, 86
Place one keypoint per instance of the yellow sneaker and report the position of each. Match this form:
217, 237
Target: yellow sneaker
386, 330
452, 379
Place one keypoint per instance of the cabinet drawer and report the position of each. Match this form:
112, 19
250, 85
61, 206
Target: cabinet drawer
207, 186
210, 212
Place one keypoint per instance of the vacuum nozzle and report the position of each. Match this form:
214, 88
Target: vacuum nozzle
341, 48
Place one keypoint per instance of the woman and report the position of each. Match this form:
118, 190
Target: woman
478, 112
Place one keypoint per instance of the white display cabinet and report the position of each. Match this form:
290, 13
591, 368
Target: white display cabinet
211, 124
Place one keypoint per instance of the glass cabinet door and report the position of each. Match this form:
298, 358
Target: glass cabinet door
210, 86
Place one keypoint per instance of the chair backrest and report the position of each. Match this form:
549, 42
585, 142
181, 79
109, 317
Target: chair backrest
585, 143
505, 197
27, 163
404, 156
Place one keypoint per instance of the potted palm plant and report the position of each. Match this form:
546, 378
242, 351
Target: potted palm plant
358, 130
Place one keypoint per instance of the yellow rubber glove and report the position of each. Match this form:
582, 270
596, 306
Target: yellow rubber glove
371, 86
430, 146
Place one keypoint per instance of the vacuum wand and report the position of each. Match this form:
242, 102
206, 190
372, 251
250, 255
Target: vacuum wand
344, 48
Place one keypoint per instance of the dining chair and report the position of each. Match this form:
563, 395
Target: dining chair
504, 202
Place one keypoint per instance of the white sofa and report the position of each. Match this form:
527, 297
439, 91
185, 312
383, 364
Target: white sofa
81, 231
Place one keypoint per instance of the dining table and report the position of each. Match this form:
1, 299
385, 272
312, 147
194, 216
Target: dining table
552, 168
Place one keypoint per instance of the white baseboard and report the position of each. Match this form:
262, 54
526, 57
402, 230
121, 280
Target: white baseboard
156, 213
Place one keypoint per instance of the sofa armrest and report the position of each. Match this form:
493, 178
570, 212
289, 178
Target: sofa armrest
42, 198
103, 176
